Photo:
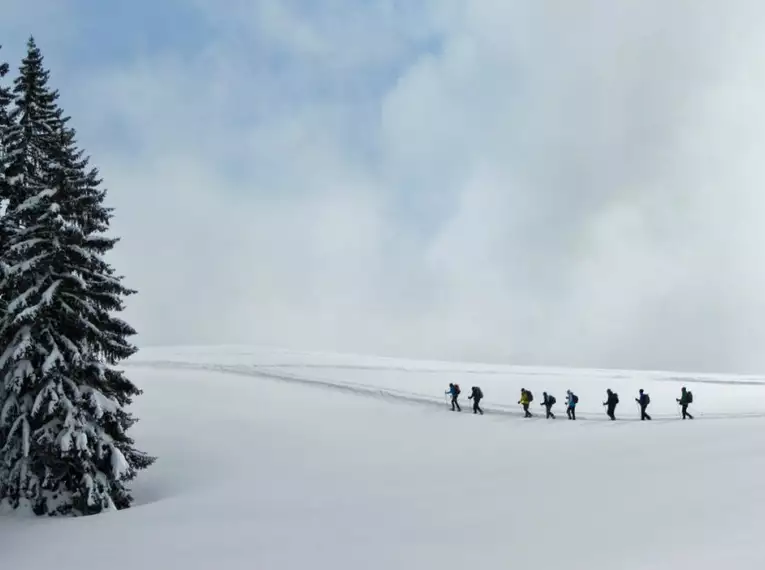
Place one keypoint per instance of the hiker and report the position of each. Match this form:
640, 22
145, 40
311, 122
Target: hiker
548, 402
571, 401
454, 391
686, 397
526, 398
643, 400
611, 400
476, 396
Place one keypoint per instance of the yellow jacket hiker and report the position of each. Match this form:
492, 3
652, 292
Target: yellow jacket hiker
526, 398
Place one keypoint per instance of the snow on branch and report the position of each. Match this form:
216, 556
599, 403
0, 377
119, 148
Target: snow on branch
27, 314
51, 291
25, 265
54, 358
23, 298
120, 466
21, 422
84, 253
22, 369
81, 441
76, 389
45, 392
65, 441
74, 351
100, 403
33, 201
10, 403
26, 244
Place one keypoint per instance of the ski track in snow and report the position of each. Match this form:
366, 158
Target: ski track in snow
274, 372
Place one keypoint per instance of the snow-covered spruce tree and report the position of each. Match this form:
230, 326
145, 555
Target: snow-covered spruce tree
66, 448
5, 101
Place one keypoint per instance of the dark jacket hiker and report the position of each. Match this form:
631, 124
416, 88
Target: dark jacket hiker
476, 395
686, 397
643, 400
611, 400
548, 401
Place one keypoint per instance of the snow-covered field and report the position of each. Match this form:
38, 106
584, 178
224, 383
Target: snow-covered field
273, 460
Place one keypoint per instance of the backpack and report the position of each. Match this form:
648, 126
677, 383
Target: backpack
478, 392
689, 397
551, 400
646, 398
616, 398
457, 390
530, 395
575, 398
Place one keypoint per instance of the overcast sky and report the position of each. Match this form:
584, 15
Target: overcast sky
536, 182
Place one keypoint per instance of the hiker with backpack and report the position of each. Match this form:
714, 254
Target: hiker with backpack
643, 400
571, 401
526, 398
612, 399
454, 391
686, 397
548, 402
476, 396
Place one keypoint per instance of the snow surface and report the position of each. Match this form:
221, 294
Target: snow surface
283, 460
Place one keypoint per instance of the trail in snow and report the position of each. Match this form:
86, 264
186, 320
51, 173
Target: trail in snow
273, 372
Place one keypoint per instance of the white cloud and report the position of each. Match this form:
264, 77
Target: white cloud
551, 182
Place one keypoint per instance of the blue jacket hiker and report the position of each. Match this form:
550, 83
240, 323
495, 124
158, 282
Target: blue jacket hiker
454, 391
571, 401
